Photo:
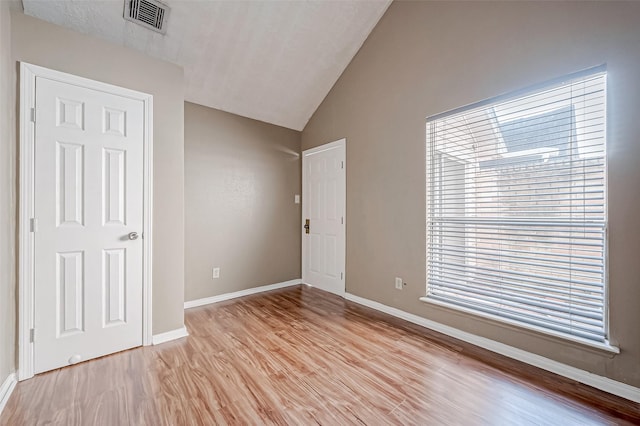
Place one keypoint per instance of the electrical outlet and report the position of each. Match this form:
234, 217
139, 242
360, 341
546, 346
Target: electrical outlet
398, 283
216, 272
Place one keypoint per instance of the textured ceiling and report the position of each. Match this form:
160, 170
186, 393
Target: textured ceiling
273, 61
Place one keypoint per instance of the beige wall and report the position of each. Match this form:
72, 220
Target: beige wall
7, 199
241, 176
54, 47
428, 57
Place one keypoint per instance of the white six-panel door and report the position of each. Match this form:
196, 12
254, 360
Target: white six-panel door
88, 207
323, 205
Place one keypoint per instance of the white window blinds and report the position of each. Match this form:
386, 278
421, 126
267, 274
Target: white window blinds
516, 207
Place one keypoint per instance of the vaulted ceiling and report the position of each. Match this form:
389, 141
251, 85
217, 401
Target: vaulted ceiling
273, 61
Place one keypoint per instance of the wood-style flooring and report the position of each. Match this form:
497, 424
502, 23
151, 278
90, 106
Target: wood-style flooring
300, 356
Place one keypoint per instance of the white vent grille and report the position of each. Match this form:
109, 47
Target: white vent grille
148, 13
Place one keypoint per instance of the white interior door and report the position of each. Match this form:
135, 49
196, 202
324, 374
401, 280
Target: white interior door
323, 206
88, 205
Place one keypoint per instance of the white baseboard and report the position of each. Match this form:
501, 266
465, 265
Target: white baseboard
235, 294
603, 383
170, 335
6, 389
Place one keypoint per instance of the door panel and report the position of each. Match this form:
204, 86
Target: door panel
88, 198
70, 288
114, 184
69, 184
114, 288
323, 199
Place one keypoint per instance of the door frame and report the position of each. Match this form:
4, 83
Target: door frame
26, 194
339, 143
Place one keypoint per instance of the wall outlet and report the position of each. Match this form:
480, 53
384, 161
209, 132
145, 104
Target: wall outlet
296, 198
398, 283
216, 272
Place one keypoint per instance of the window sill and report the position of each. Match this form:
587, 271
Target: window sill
562, 338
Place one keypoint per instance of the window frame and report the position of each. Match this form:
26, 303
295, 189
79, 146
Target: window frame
429, 237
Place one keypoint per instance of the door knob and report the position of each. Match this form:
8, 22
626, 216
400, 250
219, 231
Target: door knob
306, 226
133, 235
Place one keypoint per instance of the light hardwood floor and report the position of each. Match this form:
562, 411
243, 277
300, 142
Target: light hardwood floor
301, 356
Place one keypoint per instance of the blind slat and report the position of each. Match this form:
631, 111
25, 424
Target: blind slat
566, 327
522, 276
590, 137
512, 299
506, 261
563, 261
586, 301
552, 176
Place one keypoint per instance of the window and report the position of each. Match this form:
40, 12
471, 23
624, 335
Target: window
516, 207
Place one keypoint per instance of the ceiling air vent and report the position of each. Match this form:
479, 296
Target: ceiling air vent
149, 13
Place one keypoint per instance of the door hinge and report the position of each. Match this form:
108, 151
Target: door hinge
34, 224
33, 115
341, 275
342, 220
32, 335
342, 164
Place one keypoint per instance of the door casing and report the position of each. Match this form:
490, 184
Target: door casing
27, 227
305, 153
